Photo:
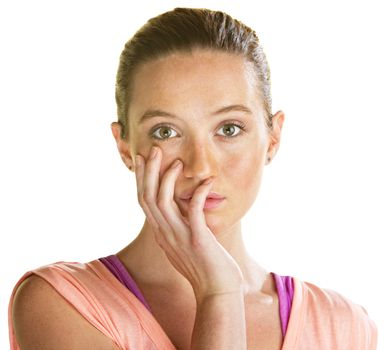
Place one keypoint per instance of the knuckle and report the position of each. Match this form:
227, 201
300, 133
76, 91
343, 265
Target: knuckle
162, 202
173, 243
196, 241
148, 198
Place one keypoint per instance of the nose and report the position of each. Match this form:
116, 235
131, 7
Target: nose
199, 162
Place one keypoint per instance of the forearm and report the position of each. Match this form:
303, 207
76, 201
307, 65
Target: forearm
220, 323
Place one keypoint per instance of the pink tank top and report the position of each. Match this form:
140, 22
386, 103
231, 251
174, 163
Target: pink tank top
284, 285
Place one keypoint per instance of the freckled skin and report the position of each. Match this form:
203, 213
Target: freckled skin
192, 86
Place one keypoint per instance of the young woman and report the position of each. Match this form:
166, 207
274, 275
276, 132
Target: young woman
195, 125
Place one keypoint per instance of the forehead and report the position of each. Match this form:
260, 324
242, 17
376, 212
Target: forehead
194, 84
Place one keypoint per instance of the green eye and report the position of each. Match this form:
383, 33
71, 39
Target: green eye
229, 131
162, 133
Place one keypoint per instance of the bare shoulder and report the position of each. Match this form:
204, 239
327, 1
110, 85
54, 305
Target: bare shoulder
43, 319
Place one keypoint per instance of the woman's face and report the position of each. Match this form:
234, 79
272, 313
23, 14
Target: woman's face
187, 105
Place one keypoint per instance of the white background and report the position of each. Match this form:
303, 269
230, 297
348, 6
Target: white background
322, 211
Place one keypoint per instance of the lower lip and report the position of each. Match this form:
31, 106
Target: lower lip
210, 203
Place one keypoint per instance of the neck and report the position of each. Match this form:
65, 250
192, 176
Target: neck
149, 265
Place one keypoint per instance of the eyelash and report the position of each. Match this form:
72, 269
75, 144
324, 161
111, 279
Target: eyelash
240, 125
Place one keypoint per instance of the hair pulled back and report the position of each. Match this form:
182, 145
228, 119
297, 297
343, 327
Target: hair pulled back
182, 30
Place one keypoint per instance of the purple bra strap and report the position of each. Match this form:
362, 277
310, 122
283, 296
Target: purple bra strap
114, 265
285, 290
284, 285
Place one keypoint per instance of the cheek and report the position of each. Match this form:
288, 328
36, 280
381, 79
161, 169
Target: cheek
245, 172
242, 177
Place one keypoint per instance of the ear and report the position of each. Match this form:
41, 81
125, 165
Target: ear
122, 145
275, 136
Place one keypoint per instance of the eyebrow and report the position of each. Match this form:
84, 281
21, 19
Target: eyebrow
152, 113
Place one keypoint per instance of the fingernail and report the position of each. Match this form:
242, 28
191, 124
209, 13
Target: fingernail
153, 152
207, 182
176, 163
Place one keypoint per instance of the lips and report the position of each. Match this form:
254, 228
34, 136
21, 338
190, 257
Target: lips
211, 195
212, 201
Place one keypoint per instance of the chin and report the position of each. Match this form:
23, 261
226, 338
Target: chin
218, 224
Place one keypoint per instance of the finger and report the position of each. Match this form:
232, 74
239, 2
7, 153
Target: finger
167, 204
139, 173
169, 230
151, 189
151, 176
196, 209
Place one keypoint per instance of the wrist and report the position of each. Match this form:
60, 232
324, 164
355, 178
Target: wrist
209, 295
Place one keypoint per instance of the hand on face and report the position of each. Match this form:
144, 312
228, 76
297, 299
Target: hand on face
189, 244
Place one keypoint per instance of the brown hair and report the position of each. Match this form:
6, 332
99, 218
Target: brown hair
184, 29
